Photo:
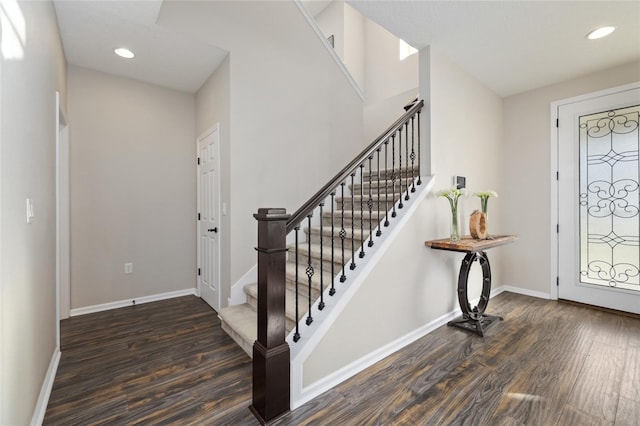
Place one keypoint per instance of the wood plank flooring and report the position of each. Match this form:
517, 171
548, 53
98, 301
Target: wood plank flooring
547, 363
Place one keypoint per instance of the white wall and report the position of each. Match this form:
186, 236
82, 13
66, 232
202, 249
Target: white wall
385, 74
331, 22
133, 190
371, 54
466, 140
414, 285
354, 50
378, 116
347, 27
213, 101
27, 263
528, 173
390, 83
295, 119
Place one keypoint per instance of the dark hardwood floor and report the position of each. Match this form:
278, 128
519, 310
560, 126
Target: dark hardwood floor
548, 363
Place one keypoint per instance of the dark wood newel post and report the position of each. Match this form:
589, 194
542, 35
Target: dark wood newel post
271, 369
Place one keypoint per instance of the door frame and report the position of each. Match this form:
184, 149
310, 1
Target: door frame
203, 135
553, 178
63, 254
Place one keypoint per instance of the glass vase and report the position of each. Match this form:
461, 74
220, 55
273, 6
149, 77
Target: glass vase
484, 201
455, 224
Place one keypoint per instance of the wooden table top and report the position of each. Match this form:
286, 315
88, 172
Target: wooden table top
468, 244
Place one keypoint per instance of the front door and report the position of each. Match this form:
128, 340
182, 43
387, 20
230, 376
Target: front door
599, 200
208, 232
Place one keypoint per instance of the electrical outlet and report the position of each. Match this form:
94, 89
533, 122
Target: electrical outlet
128, 268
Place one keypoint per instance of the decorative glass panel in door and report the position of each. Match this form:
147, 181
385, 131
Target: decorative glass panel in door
609, 199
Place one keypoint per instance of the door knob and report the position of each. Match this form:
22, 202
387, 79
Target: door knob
213, 229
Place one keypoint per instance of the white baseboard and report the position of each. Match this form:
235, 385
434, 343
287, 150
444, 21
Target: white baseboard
350, 370
494, 292
130, 302
527, 292
45, 390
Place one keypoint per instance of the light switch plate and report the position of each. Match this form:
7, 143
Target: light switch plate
460, 182
30, 214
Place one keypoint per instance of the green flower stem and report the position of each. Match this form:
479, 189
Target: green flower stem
455, 231
484, 201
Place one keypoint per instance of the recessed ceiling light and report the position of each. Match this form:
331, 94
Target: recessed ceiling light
124, 53
600, 32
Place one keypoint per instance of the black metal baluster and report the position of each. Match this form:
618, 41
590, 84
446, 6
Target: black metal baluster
386, 186
353, 221
413, 156
393, 173
406, 151
309, 272
296, 335
361, 211
370, 203
419, 142
321, 304
379, 231
333, 236
343, 233
400, 205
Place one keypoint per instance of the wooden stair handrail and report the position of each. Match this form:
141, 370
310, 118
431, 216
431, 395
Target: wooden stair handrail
324, 192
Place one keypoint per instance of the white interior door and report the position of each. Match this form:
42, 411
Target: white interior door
208, 202
599, 200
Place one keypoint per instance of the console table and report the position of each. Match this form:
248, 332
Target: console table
473, 319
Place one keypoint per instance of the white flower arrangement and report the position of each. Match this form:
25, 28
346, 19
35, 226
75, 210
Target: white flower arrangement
484, 198
453, 194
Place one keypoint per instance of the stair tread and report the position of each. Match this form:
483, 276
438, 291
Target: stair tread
356, 210
290, 305
326, 230
315, 279
383, 182
357, 214
315, 251
243, 319
394, 169
384, 178
358, 198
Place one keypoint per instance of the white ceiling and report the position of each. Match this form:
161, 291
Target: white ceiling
510, 46
516, 46
91, 29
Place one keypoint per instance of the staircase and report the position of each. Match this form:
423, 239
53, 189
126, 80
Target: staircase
305, 257
321, 247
